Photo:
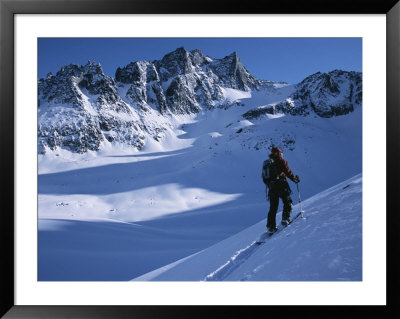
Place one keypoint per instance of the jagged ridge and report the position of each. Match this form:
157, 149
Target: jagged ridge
80, 107
184, 81
325, 94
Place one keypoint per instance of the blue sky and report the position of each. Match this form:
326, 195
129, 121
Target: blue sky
275, 59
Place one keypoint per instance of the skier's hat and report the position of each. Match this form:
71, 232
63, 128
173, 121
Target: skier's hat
276, 149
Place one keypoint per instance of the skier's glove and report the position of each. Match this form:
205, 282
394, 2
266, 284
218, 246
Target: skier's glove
297, 179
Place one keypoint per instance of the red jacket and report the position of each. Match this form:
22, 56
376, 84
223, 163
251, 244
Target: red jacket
284, 169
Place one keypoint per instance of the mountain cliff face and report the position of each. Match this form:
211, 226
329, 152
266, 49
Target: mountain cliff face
183, 81
324, 94
327, 94
80, 108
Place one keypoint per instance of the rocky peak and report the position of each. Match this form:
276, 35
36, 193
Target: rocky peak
237, 66
137, 72
233, 57
183, 81
176, 63
320, 81
231, 70
231, 60
61, 88
197, 57
326, 94
329, 82
80, 107
67, 86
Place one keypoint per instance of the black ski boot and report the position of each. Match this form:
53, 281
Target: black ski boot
272, 230
286, 221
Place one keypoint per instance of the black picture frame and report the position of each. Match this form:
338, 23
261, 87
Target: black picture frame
9, 8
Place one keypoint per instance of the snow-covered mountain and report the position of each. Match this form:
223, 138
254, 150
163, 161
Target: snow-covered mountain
108, 211
119, 215
81, 109
185, 82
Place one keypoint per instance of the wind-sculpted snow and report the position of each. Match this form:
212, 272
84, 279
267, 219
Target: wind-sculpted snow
81, 109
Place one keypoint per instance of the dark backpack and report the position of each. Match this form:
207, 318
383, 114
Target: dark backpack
269, 171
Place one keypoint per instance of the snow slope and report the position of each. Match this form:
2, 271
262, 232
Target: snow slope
324, 246
119, 214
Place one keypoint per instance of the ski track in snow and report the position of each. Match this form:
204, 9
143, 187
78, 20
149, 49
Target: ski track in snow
233, 263
240, 257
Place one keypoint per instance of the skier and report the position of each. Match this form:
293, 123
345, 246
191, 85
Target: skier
274, 174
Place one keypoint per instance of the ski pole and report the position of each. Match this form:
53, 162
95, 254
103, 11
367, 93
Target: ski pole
301, 208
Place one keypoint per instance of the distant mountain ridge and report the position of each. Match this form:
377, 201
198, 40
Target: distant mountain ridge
184, 82
325, 94
80, 107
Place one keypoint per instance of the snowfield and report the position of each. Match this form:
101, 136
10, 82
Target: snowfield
324, 245
189, 208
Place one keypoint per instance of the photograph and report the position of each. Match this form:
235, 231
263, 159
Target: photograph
199, 159
176, 159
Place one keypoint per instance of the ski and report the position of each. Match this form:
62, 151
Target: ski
266, 235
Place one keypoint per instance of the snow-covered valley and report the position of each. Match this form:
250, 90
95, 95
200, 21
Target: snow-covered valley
156, 174
119, 214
